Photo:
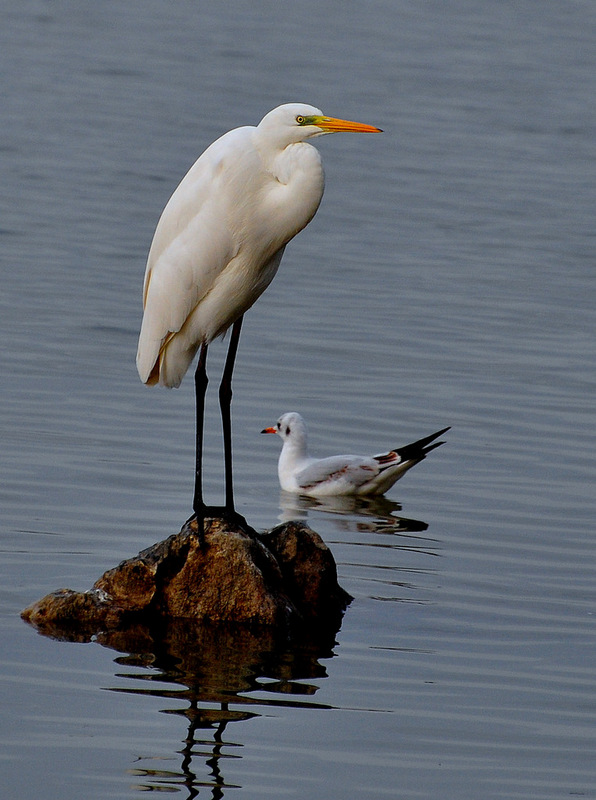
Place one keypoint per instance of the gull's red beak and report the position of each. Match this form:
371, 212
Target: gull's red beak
269, 430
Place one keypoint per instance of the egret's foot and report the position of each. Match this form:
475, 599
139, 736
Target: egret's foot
229, 515
199, 517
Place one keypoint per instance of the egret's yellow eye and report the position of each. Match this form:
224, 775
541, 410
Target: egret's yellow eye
300, 120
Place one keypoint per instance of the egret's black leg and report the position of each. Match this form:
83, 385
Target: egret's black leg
225, 402
201, 381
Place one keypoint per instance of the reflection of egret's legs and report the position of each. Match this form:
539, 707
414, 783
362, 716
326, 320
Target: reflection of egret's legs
225, 402
190, 778
213, 762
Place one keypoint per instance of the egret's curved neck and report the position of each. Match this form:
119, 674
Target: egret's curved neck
298, 173
296, 163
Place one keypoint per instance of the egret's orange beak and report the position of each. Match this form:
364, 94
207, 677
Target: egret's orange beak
332, 125
269, 430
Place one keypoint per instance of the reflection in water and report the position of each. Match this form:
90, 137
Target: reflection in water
221, 675
374, 514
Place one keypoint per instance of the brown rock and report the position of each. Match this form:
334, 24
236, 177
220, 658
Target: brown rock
283, 578
308, 570
76, 616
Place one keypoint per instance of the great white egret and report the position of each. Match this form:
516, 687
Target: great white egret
217, 247
340, 475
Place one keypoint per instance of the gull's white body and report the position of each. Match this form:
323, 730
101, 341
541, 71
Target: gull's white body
340, 475
221, 236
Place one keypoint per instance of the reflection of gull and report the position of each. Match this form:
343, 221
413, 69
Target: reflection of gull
341, 475
375, 514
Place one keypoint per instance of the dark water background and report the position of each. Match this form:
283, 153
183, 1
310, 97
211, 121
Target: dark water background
448, 279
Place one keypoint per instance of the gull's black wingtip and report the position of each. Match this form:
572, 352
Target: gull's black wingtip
439, 433
432, 446
418, 450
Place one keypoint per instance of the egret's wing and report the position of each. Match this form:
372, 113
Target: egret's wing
189, 237
193, 243
352, 469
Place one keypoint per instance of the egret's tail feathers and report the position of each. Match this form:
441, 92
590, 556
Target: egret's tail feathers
148, 368
166, 365
153, 377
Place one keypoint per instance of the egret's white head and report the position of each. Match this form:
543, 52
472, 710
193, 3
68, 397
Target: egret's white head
295, 122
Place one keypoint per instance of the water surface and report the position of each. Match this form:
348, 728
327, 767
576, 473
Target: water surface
446, 280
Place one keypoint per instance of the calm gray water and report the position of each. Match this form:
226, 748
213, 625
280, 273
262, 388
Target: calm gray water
448, 279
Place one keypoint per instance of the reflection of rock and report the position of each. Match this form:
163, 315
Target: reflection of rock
282, 578
221, 663
211, 676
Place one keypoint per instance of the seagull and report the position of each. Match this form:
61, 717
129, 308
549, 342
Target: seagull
341, 475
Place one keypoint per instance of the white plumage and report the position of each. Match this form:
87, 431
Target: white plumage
220, 238
341, 475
